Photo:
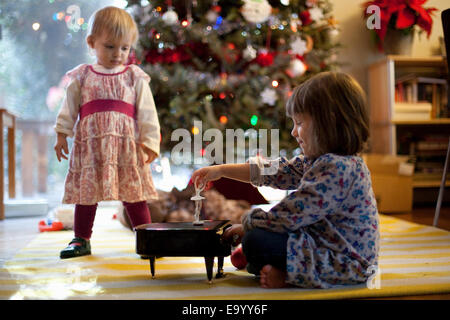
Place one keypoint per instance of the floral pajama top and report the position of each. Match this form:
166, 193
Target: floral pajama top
331, 218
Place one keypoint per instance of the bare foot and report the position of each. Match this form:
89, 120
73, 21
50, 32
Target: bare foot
272, 277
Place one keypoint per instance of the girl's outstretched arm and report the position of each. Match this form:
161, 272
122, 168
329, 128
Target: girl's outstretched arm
239, 171
234, 234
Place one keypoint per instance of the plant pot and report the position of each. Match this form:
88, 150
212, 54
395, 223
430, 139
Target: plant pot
398, 42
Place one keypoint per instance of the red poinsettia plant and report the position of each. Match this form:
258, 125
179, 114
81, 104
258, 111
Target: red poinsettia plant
401, 15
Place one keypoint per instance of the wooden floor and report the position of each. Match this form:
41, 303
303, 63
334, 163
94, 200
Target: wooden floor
15, 233
425, 215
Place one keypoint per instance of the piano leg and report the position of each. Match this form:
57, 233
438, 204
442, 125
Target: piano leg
219, 268
152, 266
209, 262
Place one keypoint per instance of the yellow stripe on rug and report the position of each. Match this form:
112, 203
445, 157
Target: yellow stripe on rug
414, 260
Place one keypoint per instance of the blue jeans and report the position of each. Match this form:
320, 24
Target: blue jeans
263, 247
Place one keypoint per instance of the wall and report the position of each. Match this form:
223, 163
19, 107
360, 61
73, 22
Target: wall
359, 51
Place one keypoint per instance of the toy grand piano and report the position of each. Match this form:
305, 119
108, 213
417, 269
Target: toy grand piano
184, 239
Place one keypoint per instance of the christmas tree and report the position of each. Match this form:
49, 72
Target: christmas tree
231, 63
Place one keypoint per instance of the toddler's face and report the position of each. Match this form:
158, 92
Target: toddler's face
303, 133
110, 52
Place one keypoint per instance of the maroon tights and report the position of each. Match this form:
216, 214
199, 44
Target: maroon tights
84, 217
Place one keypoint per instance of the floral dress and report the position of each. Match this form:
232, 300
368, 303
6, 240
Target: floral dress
112, 113
331, 218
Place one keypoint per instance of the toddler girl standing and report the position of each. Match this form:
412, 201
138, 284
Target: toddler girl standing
325, 232
110, 108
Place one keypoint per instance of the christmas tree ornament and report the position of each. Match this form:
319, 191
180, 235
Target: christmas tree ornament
256, 11
145, 15
264, 58
332, 22
299, 46
296, 68
170, 17
316, 14
134, 9
333, 33
211, 16
249, 53
269, 96
305, 18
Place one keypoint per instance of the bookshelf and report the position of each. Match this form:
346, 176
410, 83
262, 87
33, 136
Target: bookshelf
423, 137
422, 122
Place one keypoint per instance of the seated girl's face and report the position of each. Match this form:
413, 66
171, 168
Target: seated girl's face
304, 134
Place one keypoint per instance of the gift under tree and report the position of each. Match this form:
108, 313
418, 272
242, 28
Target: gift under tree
231, 64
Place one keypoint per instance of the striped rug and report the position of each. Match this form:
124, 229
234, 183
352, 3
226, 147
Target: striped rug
414, 260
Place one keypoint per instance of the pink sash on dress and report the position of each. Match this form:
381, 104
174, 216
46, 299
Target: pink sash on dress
101, 105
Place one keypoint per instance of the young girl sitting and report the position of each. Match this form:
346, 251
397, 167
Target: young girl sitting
324, 233
117, 134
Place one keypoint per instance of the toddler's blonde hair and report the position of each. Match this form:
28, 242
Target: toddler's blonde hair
114, 21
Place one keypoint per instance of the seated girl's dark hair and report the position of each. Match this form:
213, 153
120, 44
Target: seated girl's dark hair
338, 108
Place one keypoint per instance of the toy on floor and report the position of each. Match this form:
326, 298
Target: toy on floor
60, 218
184, 239
65, 214
238, 258
50, 225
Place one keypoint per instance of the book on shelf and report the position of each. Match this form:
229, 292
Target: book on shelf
428, 153
404, 111
412, 88
432, 145
421, 176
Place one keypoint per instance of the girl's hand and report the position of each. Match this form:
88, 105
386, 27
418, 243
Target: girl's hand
150, 154
61, 146
234, 234
206, 174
